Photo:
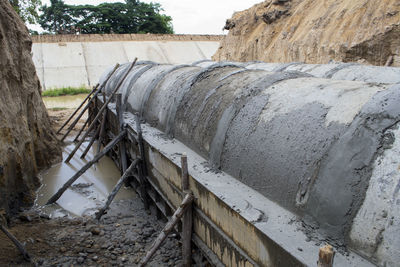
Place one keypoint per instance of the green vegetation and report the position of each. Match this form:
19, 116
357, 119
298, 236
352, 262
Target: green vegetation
66, 91
27, 9
132, 16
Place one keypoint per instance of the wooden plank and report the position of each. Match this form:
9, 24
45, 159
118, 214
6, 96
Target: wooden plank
91, 126
188, 199
110, 145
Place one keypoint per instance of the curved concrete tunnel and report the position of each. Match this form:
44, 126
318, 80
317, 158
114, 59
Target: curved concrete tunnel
325, 149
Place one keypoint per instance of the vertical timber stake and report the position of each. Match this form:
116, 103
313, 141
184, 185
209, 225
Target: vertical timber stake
187, 217
142, 165
120, 116
325, 256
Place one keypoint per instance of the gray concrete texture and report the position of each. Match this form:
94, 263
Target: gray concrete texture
324, 149
76, 64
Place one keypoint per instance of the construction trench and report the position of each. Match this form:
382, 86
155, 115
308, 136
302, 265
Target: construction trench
282, 159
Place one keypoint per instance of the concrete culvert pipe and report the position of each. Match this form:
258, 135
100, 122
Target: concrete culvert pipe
325, 150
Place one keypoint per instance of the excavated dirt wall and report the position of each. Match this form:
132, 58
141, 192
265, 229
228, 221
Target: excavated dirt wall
27, 143
313, 31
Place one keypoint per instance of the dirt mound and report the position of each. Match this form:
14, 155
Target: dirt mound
27, 143
314, 31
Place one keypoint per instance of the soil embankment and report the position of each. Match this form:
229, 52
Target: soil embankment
311, 31
27, 143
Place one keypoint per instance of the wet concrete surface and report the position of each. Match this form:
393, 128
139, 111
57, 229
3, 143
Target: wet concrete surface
88, 193
306, 143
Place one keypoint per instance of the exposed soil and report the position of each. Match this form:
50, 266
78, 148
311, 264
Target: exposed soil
121, 238
365, 31
59, 117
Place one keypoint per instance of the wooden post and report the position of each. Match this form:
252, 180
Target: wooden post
188, 199
116, 189
91, 126
110, 145
88, 104
325, 256
187, 218
76, 110
94, 137
18, 244
122, 147
142, 165
103, 125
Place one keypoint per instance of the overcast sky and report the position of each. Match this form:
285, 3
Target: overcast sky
189, 16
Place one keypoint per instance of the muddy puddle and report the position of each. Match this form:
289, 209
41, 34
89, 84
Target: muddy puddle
88, 193
68, 101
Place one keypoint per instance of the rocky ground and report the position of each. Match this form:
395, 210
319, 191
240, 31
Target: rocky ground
120, 238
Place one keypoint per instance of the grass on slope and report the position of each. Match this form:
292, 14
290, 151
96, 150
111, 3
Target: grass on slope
66, 91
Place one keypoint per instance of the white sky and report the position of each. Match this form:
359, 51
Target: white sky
189, 16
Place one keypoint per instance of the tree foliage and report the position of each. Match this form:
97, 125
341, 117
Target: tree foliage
27, 9
130, 17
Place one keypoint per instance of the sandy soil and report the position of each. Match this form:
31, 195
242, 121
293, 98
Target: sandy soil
58, 117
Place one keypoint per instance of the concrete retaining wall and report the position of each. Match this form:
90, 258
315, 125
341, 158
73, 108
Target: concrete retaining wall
79, 60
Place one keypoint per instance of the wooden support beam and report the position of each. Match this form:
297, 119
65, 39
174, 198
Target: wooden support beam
103, 126
142, 167
91, 126
94, 137
77, 109
116, 189
88, 104
187, 201
325, 256
122, 147
110, 145
187, 220
81, 130
18, 244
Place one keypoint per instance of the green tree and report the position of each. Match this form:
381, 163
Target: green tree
129, 17
27, 9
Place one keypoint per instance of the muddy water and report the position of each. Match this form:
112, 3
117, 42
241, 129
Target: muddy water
88, 193
68, 101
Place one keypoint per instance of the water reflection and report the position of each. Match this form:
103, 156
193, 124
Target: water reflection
67, 101
88, 193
